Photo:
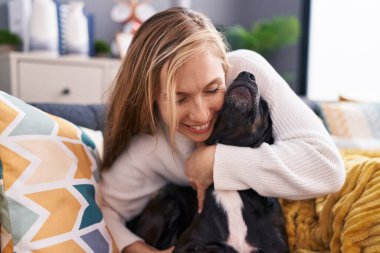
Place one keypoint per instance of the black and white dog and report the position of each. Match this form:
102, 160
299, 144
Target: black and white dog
231, 221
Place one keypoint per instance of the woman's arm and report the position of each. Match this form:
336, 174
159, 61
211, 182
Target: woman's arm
127, 187
302, 163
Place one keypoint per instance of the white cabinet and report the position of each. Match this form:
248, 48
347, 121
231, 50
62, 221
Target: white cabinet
36, 77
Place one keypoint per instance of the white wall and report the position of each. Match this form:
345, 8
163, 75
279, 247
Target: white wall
344, 50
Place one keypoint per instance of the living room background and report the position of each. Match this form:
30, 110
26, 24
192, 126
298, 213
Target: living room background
222, 12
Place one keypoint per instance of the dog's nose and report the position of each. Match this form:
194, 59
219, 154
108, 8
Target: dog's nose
246, 76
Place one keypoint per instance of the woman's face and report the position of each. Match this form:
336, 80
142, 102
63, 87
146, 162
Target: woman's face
200, 95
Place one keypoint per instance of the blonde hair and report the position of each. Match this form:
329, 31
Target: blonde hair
169, 37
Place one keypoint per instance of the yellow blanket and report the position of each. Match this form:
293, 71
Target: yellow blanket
346, 221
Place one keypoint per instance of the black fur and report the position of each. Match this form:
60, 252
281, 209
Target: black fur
244, 119
166, 216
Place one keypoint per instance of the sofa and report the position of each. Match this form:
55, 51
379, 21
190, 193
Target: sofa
346, 221
93, 116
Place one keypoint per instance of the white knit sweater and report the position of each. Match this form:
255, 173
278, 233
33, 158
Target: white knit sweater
302, 163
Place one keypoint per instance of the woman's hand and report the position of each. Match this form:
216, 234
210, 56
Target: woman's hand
142, 247
199, 170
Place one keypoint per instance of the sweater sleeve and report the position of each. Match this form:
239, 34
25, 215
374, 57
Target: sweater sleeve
302, 163
126, 189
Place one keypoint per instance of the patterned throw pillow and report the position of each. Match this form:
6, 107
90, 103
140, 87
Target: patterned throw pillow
48, 184
353, 124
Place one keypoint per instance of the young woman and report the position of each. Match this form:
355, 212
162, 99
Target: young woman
166, 99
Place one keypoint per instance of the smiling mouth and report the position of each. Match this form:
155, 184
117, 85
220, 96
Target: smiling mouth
199, 128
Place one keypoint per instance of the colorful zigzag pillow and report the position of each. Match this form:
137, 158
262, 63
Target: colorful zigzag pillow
49, 192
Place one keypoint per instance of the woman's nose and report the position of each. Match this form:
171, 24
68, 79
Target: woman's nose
199, 111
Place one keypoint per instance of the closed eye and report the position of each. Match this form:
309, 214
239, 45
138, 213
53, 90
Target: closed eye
212, 91
182, 100
215, 88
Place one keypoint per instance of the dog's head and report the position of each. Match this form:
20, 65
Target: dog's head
244, 119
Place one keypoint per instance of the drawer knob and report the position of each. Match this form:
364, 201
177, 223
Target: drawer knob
65, 91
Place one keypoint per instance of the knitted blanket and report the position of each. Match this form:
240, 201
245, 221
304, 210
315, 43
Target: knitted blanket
346, 221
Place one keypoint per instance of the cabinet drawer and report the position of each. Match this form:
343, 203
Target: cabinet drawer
42, 82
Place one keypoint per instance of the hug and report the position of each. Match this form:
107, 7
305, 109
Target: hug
177, 117
230, 221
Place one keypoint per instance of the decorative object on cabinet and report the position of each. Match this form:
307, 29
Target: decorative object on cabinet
8, 41
181, 3
42, 77
19, 12
44, 26
130, 13
63, 12
102, 48
123, 40
77, 36
131, 10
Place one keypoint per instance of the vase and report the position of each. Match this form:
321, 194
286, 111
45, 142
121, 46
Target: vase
44, 26
77, 30
181, 3
19, 12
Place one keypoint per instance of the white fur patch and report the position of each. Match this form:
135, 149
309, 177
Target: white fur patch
232, 204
